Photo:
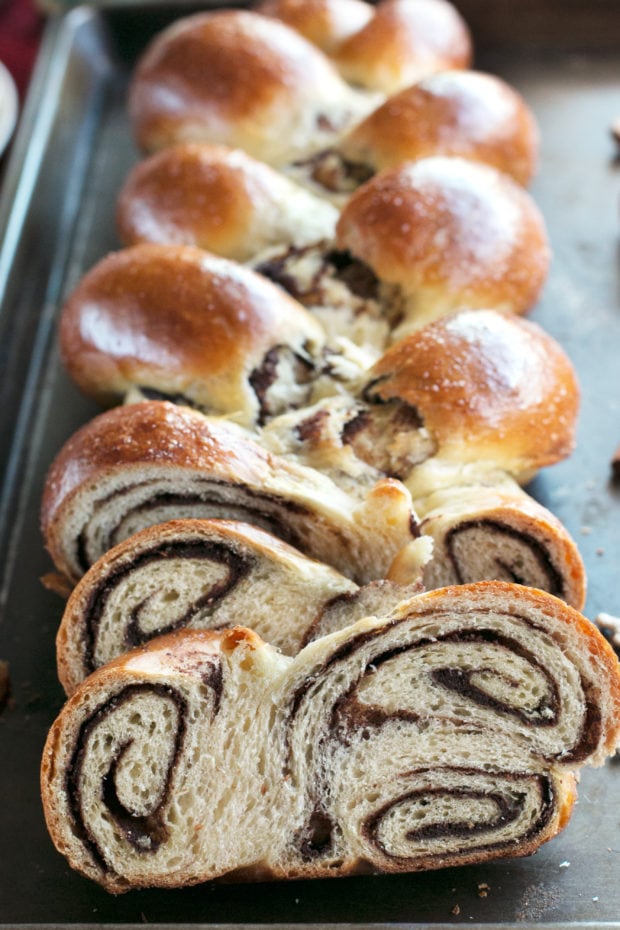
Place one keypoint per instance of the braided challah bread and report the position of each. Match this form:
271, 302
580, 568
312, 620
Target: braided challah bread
218, 199
136, 466
189, 325
462, 113
477, 387
448, 732
417, 242
240, 79
207, 574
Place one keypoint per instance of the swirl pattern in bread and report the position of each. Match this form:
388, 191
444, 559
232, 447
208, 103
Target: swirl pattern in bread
137, 466
207, 574
446, 733
492, 529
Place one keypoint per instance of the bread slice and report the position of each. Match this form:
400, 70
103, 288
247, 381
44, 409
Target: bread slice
495, 530
448, 732
147, 463
207, 574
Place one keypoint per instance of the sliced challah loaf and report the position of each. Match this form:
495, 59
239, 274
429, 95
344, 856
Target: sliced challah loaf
447, 733
207, 574
150, 462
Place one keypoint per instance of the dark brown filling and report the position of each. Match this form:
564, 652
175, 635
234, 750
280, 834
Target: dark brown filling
150, 393
554, 580
358, 277
548, 713
144, 833
272, 516
331, 170
237, 566
509, 805
390, 437
316, 837
265, 376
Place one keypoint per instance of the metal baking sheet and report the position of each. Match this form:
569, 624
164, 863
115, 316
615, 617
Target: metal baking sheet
56, 220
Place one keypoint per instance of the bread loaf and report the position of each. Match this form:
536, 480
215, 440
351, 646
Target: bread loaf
447, 733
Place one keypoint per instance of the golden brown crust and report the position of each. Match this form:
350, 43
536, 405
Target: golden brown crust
202, 195
464, 113
237, 78
326, 23
178, 320
491, 387
451, 227
124, 436
404, 41
218, 199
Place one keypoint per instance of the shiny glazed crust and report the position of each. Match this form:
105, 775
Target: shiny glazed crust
451, 233
490, 387
463, 113
368, 751
403, 42
182, 322
243, 80
218, 199
325, 23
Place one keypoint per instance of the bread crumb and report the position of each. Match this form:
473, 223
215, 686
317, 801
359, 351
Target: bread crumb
483, 889
456, 910
565, 864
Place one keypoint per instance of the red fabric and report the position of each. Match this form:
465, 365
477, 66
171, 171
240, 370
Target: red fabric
20, 33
